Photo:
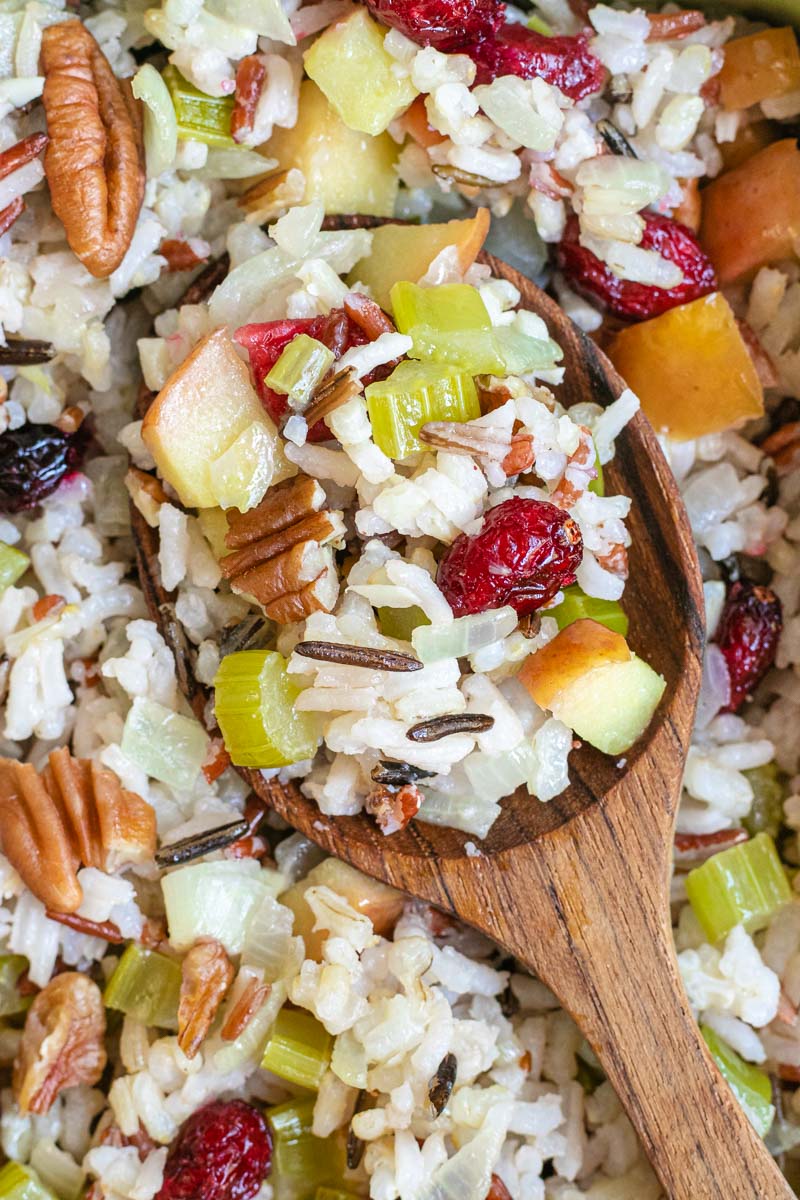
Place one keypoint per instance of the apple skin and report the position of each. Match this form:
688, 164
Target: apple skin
204, 407
577, 649
404, 252
382, 904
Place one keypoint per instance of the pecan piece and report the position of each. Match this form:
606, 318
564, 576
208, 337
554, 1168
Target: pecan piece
253, 996
34, 837
206, 974
94, 162
250, 76
9, 214
62, 1044
333, 393
21, 153
184, 254
393, 808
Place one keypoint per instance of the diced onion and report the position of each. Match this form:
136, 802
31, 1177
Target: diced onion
463, 635
160, 122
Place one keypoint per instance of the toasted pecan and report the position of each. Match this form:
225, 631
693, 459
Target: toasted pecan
250, 76
94, 161
333, 393
63, 1042
253, 997
21, 153
9, 214
206, 975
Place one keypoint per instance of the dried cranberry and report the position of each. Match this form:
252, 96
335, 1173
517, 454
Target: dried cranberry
222, 1152
525, 552
565, 62
640, 301
748, 634
33, 461
264, 343
446, 24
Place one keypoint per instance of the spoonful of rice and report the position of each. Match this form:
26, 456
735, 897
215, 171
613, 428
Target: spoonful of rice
576, 889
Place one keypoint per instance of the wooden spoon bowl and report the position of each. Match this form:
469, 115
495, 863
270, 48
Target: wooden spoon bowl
578, 889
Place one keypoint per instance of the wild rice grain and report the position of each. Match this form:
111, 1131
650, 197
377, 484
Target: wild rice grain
395, 774
358, 656
26, 352
201, 844
439, 727
616, 141
442, 1083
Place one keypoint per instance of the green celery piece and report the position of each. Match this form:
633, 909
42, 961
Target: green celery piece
201, 118
165, 744
769, 792
334, 1193
22, 1183
521, 353
500, 351
741, 886
254, 704
299, 1049
538, 25
400, 623
303, 364
597, 485
449, 308
11, 1002
13, 565
300, 1156
751, 1087
576, 606
414, 394
146, 985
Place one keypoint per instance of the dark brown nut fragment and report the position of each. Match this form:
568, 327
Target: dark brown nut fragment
784, 447
62, 1044
94, 162
206, 975
441, 1085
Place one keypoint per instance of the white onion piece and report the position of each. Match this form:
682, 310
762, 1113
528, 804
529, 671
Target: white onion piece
715, 690
160, 122
463, 635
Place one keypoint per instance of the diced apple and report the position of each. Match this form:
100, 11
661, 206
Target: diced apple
197, 418
214, 525
349, 64
404, 252
611, 706
749, 140
414, 122
751, 215
579, 648
761, 66
691, 369
382, 904
350, 172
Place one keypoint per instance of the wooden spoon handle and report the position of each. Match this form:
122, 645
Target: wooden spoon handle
593, 924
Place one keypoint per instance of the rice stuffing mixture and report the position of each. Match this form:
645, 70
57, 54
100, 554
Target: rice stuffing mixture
349, 424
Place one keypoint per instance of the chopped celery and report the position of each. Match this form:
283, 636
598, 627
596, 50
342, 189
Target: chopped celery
254, 704
464, 635
213, 899
298, 1155
300, 368
751, 1087
333, 1193
201, 118
400, 623
293, 1119
146, 985
769, 792
164, 744
538, 25
13, 565
160, 122
741, 886
452, 307
22, 1183
414, 394
11, 968
299, 1049
598, 485
576, 606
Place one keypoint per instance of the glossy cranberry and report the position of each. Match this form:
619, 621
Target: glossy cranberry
265, 342
222, 1152
33, 461
748, 634
566, 62
446, 24
639, 301
525, 552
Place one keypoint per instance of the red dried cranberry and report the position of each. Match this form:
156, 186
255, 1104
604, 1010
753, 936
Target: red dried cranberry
748, 634
565, 62
525, 552
33, 461
265, 342
446, 24
640, 301
222, 1152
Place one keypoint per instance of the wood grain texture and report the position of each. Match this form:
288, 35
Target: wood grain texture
577, 889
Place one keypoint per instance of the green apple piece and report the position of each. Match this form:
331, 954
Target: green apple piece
349, 171
612, 705
349, 64
199, 415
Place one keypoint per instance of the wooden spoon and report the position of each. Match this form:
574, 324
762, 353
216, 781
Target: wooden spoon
578, 889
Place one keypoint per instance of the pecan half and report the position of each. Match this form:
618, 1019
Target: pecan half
282, 553
94, 162
74, 812
62, 1044
206, 975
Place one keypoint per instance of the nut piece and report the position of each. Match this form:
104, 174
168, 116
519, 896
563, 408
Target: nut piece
146, 493
393, 808
333, 393
94, 162
206, 974
253, 996
62, 1044
74, 813
282, 555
